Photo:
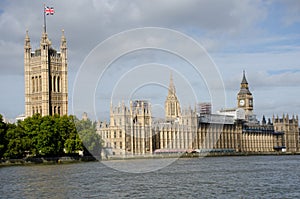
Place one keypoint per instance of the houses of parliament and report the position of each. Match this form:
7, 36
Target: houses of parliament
132, 130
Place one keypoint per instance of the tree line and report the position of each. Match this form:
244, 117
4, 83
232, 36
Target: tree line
48, 136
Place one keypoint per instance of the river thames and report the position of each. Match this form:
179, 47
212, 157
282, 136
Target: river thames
211, 177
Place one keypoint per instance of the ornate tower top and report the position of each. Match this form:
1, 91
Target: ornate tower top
172, 90
244, 86
63, 41
244, 80
172, 106
27, 39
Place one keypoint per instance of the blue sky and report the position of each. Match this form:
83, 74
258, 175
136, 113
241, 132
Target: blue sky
261, 37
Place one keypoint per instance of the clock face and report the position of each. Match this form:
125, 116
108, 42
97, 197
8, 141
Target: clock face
242, 102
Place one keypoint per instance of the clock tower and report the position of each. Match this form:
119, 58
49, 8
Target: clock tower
244, 97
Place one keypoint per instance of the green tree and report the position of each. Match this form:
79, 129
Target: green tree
90, 139
67, 128
18, 142
31, 126
3, 142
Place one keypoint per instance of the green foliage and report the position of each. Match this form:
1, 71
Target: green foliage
48, 136
3, 142
18, 141
91, 140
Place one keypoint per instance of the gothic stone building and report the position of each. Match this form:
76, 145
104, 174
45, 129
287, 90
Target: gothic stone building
133, 131
46, 78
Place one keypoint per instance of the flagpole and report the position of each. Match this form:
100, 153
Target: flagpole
44, 18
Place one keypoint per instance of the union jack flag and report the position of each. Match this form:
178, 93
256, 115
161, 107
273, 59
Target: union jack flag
49, 10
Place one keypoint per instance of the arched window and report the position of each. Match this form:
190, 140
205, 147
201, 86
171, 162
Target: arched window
54, 84
32, 84
37, 109
33, 111
58, 110
36, 84
40, 82
58, 84
41, 110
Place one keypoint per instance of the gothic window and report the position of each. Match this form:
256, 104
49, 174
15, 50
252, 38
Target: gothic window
58, 110
33, 111
120, 134
121, 145
40, 81
36, 84
54, 110
115, 134
32, 84
37, 109
58, 84
54, 84
41, 110
172, 109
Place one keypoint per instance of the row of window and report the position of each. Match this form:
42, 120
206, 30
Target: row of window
55, 110
36, 84
55, 83
120, 145
37, 110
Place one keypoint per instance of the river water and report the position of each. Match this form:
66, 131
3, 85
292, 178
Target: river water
211, 177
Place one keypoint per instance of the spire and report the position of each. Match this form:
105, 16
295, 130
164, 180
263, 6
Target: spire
263, 120
171, 86
27, 36
27, 40
244, 85
244, 80
63, 45
63, 39
44, 39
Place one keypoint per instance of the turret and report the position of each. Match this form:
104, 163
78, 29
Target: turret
172, 106
27, 78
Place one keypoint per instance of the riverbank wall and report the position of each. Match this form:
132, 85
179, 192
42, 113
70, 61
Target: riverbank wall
69, 160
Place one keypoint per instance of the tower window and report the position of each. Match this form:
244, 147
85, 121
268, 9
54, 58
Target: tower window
58, 84
54, 84
58, 110
32, 84
40, 82
36, 84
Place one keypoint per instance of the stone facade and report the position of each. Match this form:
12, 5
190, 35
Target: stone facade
131, 131
46, 78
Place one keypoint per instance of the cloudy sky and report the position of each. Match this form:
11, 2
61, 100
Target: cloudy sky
260, 37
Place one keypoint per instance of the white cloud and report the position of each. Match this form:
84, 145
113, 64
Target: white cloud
228, 29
